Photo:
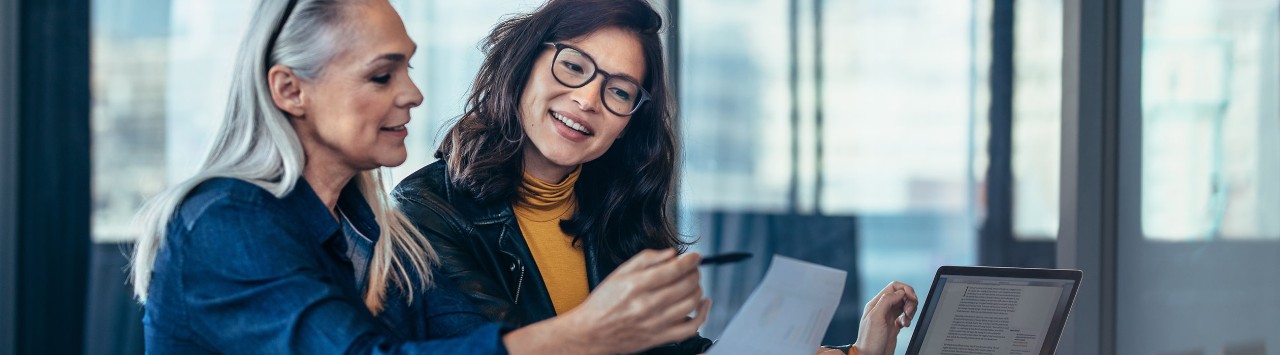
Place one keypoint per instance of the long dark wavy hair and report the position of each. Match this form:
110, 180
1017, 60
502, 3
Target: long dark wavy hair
625, 196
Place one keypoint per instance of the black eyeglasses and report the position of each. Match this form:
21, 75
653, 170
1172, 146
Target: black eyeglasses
572, 67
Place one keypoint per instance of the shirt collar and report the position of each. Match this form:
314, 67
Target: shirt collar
319, 221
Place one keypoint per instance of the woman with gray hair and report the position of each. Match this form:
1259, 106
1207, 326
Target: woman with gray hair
286, 242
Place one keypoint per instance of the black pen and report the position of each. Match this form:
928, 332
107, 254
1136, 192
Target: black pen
725, 258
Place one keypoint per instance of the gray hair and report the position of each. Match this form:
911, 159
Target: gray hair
257, 144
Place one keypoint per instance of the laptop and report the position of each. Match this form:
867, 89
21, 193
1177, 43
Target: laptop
995, 310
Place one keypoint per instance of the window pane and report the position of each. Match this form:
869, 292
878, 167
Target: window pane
1197, 270
448, 35
1037, 118
737, 143
903, 128
1210, 128
162, 70
130, 52
906, 86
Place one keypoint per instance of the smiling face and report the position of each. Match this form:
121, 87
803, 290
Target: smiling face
355, 113
566, 126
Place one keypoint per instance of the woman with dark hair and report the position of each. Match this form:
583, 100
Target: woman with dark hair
563, 167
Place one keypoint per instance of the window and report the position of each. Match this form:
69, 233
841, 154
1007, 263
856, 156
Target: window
1037, 118
904, 111
130, 109
1197, 258
1210, 129
875, 110
734, 115
448, 34
161, 73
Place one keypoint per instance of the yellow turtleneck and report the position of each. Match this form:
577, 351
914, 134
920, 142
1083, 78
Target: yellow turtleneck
539, 210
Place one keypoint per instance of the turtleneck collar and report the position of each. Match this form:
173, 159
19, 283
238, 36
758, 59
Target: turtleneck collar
543, 201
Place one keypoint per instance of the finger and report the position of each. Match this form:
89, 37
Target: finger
909, 310
911, 302
910, 291
893, 310
684, 287
646, 259
679, 310
889, 306
688, 327
670, 271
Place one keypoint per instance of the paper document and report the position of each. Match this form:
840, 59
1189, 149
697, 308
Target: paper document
788, 313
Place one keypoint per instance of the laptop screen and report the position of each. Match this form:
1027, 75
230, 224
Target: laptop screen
976, 310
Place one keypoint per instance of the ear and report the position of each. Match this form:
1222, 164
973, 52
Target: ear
286, 90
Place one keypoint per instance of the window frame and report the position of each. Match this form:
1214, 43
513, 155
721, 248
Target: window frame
998, 245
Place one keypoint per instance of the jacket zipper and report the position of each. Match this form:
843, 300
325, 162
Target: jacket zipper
519, 285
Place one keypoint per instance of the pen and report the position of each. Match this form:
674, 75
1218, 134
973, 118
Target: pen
725, 258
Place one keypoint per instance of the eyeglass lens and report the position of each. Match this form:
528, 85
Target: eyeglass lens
574, 69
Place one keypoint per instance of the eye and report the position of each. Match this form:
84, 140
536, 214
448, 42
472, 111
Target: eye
381, 79
573, 66
621, 94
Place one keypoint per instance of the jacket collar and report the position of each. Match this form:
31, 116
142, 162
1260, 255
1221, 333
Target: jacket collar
319, 221
466, 203
500, 212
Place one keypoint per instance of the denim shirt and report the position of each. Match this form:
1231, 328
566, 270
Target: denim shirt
242, 271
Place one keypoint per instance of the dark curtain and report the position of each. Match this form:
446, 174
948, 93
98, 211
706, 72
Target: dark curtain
52, 177
825, 240
113, 323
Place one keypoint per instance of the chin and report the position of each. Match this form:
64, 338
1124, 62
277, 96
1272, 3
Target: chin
392, 160
567, 159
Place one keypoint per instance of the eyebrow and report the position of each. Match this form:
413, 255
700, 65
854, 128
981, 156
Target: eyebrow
391, 57
394, 57
622, 75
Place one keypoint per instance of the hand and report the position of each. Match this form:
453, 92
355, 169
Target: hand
884, 316
644, 303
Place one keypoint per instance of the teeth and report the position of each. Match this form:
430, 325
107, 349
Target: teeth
395, 128
570, 123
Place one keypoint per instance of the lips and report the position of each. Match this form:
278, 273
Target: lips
576, 125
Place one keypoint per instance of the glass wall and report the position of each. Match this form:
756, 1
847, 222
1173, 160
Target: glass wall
130, 63
1199, 254
161, 73
1209, 120
906, 84
1037, 118
871, 110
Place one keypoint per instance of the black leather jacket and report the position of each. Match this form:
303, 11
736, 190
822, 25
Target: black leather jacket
482, 250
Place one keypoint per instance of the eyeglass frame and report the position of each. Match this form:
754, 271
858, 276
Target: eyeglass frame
644, 93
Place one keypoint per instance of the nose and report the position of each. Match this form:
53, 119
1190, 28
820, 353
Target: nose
412, 97
588, 96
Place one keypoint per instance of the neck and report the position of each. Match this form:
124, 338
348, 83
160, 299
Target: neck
327, 179
538, 166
